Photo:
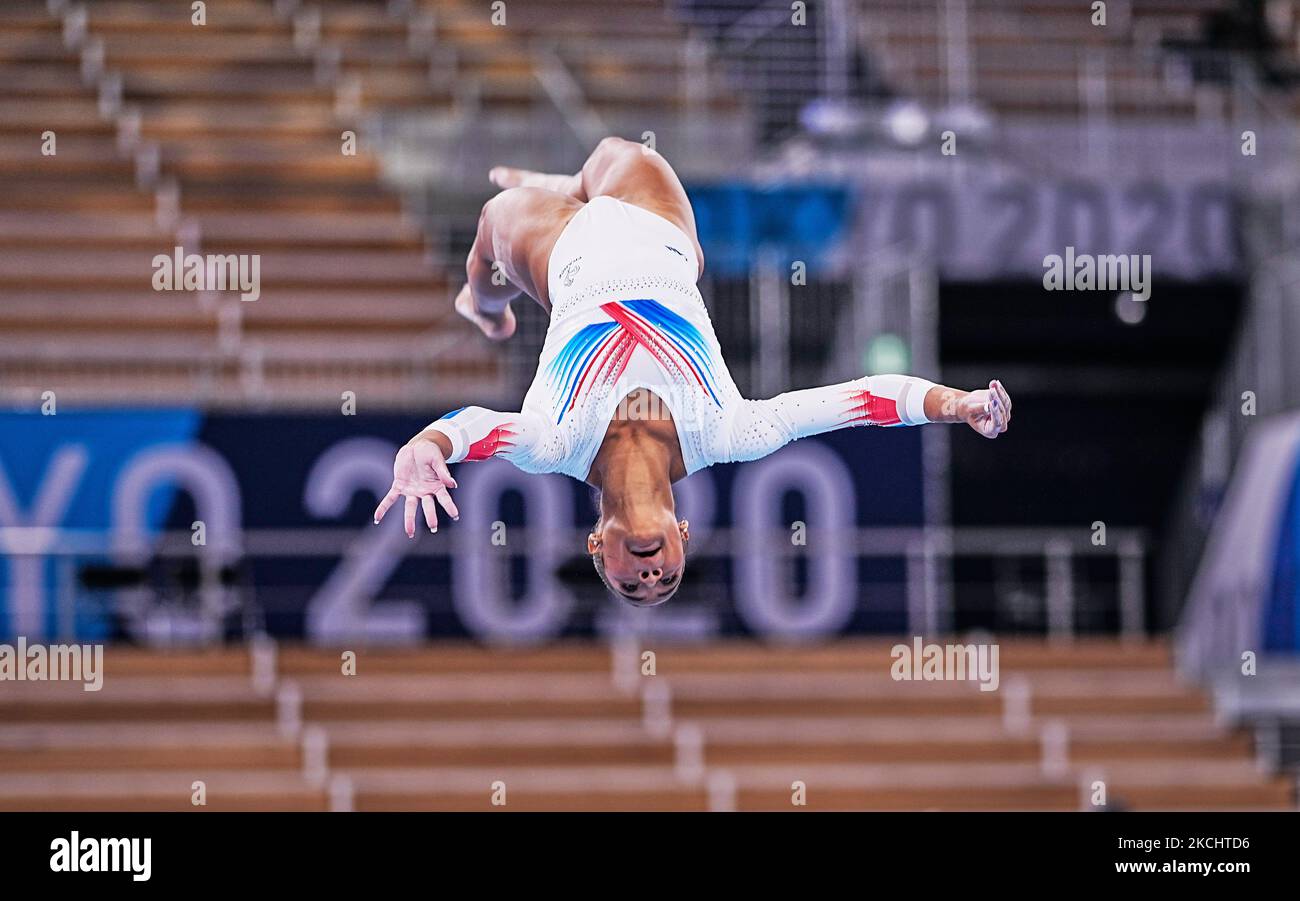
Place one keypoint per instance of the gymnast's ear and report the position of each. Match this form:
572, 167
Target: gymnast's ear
593, 543
684, 527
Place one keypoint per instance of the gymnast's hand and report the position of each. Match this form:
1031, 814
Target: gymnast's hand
420, 471
987, 411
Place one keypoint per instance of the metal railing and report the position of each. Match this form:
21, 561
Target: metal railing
1259, 380
1045, 581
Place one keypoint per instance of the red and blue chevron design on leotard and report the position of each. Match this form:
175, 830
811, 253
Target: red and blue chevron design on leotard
498, 438
602, 350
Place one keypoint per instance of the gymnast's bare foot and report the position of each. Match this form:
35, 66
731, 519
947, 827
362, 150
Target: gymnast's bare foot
497, 326
507, 177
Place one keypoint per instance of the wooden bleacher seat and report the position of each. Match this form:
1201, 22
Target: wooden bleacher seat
1029, 59
247, 790
248, 134
433, 728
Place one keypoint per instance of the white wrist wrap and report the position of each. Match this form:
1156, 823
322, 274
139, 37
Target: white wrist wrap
912, 408
454, 434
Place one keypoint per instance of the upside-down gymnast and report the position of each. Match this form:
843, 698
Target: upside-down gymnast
631, 392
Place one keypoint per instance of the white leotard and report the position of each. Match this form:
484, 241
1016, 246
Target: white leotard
625, 314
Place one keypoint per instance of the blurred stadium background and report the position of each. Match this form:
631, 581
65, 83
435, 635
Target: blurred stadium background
188, 477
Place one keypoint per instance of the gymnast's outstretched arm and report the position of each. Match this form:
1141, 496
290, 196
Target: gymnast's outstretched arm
420, 470
760, 427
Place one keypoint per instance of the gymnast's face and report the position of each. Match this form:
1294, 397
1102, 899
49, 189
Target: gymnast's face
643, 561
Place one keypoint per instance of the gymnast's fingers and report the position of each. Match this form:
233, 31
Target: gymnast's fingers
392, 495
444, 498
411, 504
